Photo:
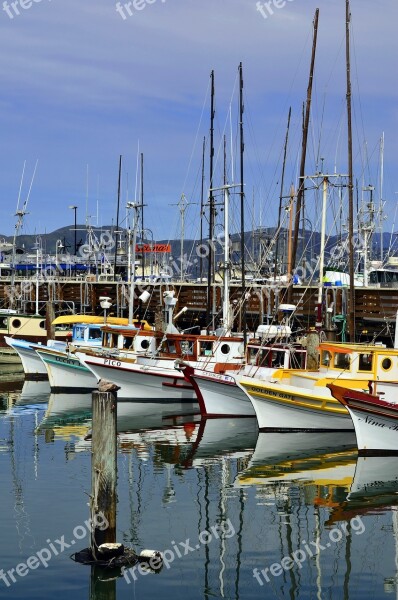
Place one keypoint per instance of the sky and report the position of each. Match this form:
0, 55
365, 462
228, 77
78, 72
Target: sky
83, 83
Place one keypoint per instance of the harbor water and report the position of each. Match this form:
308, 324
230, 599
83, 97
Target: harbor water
237, 514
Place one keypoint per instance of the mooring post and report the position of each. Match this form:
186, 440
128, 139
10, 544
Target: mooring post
103, 469
102, 584
50, 316
313, 350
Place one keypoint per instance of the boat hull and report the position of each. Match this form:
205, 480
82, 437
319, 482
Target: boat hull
31, 362
220, 396
139, 381
282, 408
66, 373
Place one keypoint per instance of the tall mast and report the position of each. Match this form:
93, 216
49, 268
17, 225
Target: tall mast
209, 312
281, 194
201, 209
142, 214
381, 203
242, 202
117, 213
300, 191
351, 316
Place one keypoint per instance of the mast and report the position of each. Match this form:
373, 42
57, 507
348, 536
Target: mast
300, 191
281, 194
351, 316
201, 209
242, 203
209, 312
142, 215
381, 203
117, 212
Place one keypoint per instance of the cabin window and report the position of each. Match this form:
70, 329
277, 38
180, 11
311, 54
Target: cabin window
365, 362
94, 334
252, 355
128, 342
278, 360
225, 349
171, 348
187, 347
42, 324
16, 323
297, 360
264, 358
144, 344
206, 348
386, 364
78, 333
341, 361
325, 360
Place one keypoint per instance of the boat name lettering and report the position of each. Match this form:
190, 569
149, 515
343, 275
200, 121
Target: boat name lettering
111, 362
66, 361
220, 377
372, 421
273, 393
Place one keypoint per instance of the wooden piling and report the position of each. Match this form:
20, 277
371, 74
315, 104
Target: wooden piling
312, 350
103, 469
50, 316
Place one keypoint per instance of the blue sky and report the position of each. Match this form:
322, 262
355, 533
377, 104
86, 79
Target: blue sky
80, 85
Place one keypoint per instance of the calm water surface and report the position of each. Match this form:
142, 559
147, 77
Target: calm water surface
219, 499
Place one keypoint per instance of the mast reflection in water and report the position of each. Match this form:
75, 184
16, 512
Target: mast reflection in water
218, 498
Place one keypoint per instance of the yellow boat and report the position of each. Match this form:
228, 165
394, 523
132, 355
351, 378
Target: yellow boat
300, 399
94, 319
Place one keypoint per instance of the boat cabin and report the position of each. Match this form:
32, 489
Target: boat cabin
277, 356
360, 361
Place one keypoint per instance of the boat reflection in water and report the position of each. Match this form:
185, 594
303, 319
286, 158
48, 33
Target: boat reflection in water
302, 457
237, 501
67, 416
374, 488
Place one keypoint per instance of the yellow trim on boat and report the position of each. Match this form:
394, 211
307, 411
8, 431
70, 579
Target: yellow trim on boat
98, 320
313, 402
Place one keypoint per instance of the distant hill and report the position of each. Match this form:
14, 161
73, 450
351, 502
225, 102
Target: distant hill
258, 242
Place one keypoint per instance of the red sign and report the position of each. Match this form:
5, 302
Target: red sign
153, 248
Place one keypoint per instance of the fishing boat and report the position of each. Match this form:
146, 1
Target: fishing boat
85, 332
31, 328
302, 400
375, 419
271, 348
65, 371
152, 375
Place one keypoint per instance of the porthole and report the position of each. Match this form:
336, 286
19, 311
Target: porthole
386, 364
42, 324
16, 323
225, 349
145, 344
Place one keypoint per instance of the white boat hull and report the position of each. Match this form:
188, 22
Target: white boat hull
281, 408
140, 381
66, 373
375, 432
32, 365
219, 396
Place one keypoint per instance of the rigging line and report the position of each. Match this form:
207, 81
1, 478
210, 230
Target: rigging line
20, 185
31, 183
